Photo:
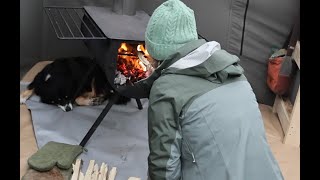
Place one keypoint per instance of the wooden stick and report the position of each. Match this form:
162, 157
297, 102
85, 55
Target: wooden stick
113, 173
134, 178
76, 169
101, 172
143, 59
105, 173
81, 176
95, 172
89, 170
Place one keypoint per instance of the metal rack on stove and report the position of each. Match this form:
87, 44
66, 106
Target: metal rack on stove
67, 22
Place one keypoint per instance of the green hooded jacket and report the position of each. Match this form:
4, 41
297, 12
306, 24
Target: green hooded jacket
204, 120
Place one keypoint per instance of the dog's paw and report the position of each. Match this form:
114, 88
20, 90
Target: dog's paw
96, 101
23, 99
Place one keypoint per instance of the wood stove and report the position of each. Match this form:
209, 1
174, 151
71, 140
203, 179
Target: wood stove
115, 37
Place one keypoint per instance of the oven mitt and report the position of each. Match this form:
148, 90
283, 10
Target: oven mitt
54, 153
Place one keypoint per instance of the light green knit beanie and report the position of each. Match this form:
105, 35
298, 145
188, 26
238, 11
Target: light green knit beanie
171, 26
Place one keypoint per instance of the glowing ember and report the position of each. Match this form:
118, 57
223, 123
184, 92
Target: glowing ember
132, 64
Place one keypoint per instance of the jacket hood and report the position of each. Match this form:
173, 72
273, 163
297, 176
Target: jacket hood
207, 61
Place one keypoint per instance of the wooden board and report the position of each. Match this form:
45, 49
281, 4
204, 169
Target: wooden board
289, 115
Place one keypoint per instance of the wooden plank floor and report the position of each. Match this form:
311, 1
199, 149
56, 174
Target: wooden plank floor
287, 156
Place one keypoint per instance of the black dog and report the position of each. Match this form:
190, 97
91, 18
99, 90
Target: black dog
64, 81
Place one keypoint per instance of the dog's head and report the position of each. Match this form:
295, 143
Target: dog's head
59, 99
54, 88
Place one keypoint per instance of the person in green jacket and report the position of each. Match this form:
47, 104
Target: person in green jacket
204, 121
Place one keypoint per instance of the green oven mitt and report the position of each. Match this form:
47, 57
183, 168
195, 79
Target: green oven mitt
54, 153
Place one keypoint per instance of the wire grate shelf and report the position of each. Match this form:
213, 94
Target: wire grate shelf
69, 23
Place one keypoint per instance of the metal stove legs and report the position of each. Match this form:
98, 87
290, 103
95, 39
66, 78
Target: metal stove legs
104, 112
139, 104
95, 125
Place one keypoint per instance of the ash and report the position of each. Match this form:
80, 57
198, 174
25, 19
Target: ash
120, 79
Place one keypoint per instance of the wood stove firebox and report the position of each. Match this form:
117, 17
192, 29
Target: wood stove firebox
115, 37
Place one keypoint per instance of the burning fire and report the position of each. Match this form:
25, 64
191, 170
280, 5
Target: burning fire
132, 64
141, 48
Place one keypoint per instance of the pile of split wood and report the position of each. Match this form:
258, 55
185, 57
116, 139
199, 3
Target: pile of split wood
94, 172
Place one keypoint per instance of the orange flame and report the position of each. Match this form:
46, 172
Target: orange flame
123, 47
129, 64
140, 47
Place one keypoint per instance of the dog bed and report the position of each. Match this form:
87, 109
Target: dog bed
120, 140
